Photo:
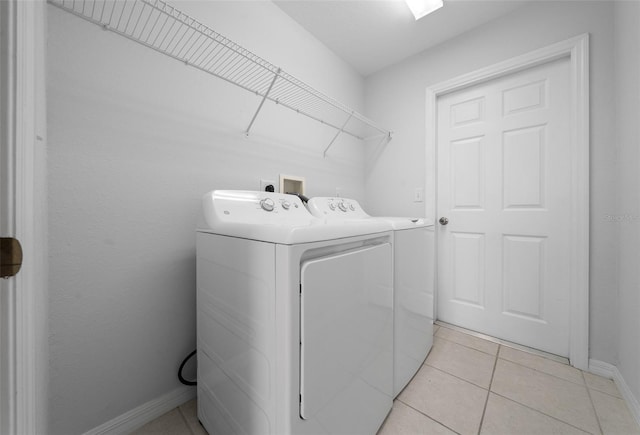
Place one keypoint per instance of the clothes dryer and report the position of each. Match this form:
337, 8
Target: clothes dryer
414, 281
294, 318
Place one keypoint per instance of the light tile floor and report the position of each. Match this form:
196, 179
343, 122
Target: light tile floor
469, 385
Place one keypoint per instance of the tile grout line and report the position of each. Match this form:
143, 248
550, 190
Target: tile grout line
542, 355
460, 379
584, 384
455, 376
593, 406
540, 412
527, 406
429, 417
505, 343
605, 393
544, 413
464, 345
184, 419
497, 355
486, 402
599, 390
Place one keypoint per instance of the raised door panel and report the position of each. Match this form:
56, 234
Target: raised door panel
524, 167
468, 261
467, 173
468, 111
523, 277
524, 97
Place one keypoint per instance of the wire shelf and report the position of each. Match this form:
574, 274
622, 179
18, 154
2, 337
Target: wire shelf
161, 27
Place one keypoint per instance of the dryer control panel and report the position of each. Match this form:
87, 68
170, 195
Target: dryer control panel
341, 208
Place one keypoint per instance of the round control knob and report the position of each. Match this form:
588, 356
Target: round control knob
286, 205
332, 206
342, 206
267, 204
351, 207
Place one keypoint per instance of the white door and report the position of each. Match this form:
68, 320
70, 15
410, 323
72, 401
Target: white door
504, 184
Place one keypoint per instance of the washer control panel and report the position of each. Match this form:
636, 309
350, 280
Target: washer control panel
276, 203
335, 207
253, 207
273, 204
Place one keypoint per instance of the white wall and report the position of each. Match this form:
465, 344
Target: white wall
135, 139
395, 97
627, 183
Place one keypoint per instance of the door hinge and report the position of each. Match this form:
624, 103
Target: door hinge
10, 257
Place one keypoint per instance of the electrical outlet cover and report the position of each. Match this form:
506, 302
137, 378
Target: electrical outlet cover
265, 183
418, 194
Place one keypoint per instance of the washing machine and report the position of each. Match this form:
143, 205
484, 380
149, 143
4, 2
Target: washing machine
294, 318
414, 281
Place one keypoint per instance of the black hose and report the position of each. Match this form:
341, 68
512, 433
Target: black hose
303, 198
182, 379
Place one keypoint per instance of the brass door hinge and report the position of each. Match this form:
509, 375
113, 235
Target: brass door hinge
10, 257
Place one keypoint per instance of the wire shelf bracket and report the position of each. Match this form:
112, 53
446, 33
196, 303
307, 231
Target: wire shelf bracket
324, 154
275, 77
163, 28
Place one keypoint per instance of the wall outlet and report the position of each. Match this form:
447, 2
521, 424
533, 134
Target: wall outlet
418, 194
267, 186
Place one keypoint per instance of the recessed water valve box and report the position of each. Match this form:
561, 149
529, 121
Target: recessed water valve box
291, 184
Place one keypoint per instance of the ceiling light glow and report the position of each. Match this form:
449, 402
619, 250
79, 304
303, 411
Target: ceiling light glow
420, 8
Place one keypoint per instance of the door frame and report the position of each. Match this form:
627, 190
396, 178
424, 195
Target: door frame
577, 51
23, 215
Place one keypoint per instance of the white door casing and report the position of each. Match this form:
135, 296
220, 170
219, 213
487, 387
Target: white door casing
23, 298
515, 144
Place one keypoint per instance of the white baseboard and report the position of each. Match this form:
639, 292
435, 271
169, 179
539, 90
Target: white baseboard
610, 371
601, 368
143, 414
